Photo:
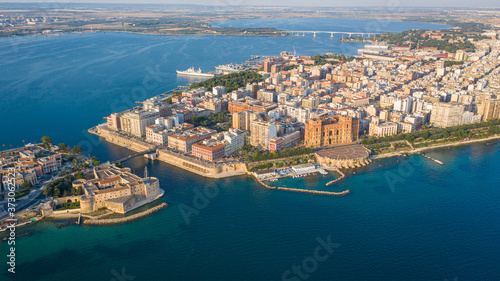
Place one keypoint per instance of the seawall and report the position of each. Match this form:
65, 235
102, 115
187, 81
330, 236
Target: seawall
121, 140
201, 168
125, 219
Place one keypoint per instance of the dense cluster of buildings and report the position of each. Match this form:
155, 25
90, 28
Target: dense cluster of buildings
386, 91
27, 165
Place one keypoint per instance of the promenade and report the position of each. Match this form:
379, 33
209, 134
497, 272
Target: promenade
420, 149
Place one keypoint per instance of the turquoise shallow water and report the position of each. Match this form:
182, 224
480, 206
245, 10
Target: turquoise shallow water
435, 223
420, 221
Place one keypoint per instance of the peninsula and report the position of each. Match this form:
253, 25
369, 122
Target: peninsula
327, 110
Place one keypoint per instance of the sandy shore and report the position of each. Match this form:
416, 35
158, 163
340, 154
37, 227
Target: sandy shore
420, 149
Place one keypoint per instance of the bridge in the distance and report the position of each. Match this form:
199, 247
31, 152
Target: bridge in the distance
298, 32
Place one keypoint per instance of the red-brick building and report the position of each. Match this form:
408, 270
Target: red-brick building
210, 151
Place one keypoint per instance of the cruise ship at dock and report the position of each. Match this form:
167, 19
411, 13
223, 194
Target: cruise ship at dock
192, 72
229, 68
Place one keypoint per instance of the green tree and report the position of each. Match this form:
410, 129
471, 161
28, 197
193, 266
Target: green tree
26, 185
425, 135
46, 140
77, 149
63, 147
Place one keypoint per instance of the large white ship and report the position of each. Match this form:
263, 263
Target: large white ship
229, 68
192, 72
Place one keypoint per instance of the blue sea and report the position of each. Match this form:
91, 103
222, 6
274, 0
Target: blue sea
406, 220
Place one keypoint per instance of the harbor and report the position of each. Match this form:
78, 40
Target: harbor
304, 171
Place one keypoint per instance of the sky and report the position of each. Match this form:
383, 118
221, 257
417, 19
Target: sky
331, 3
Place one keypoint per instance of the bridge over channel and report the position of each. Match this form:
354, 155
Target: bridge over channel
331, 32
121, 160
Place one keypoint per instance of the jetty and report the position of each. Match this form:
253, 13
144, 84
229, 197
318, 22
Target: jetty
19, 235
342, 176
430, 158
125, 219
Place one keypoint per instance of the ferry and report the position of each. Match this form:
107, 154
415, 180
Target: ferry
192, 72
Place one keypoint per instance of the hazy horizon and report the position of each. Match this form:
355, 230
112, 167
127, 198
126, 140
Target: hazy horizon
291, 3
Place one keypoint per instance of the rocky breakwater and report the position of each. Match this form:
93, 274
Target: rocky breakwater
125, 219
304, 190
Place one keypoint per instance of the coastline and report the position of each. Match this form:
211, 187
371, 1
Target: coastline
284, 32
210, 170
420, 149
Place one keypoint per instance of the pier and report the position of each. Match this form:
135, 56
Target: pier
342, 176
430, 158
125, 219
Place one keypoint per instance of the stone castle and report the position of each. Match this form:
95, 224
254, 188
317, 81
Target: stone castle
117, 189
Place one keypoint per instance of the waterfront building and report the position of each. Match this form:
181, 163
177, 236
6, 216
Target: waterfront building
235, 140
489, 109
405, 127
261, 132
446, 114
51, 163
209, 150
113, 121
469, 117
291, 139
331, 130
382, 129
276, 144
135, 122
304, 168
183, 141
158, 134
